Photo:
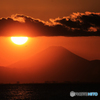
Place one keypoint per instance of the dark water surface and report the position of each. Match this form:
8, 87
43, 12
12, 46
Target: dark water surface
44, 91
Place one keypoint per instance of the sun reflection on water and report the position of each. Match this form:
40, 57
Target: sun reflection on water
19, 93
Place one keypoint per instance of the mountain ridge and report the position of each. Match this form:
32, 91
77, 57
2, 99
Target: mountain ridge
54, 64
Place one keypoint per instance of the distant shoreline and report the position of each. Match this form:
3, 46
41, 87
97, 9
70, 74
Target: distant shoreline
70, 83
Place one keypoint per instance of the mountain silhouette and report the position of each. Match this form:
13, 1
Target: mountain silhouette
52, 64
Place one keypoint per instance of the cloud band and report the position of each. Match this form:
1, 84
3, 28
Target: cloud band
77, 24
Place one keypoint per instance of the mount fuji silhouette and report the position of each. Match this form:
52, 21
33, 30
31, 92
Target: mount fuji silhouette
52, 64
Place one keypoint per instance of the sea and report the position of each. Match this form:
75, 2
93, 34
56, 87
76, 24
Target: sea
38, 91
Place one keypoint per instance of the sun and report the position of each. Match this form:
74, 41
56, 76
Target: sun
19, 40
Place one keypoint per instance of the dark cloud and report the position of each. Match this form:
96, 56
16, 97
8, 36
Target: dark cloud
77, 24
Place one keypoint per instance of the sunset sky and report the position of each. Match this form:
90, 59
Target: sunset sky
46, 9
73, 24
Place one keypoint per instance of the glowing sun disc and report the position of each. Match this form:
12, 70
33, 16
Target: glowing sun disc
19, 40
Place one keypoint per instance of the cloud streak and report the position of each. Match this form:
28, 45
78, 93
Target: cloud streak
77, 24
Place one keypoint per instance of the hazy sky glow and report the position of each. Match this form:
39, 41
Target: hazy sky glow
84, 47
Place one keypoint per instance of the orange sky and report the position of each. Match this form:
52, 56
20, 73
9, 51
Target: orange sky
45, 9
86, 47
